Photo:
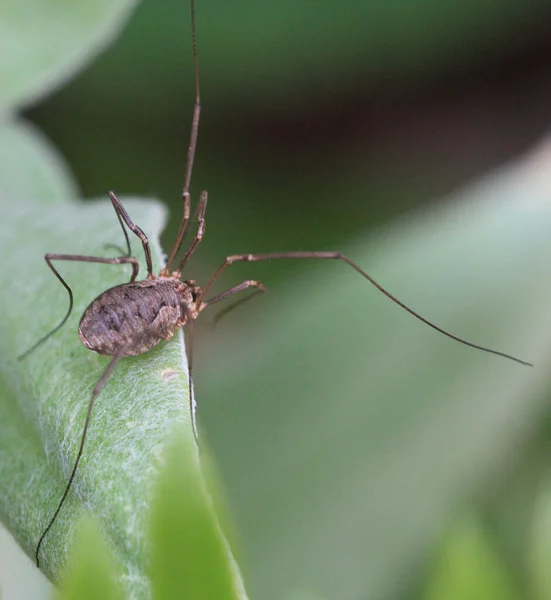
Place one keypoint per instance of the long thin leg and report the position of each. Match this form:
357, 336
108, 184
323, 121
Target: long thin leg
182, 231
191, 149
201, 209
260, 289
224, 312
234, 290
190, 221
186, 223
338, 256
97, 389
121, 213
127, 240
120, 260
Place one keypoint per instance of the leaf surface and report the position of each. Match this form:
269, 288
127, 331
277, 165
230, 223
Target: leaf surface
44, 42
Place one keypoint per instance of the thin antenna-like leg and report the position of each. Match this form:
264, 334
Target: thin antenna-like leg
125, 233
191, 150
120, 260
121, 213
234, 290
201, 210
96, 391
190, 221
251, 283
228, 309
338, 256
182, 231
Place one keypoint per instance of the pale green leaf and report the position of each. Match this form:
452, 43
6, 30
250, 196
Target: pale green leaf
30, 165
44, 42
46, 395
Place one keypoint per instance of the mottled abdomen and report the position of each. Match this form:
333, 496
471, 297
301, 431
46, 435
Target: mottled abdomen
133, 317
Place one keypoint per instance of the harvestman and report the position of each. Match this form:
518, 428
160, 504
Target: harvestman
131, 318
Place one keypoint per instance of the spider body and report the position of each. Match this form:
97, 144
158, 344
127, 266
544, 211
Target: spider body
146, 312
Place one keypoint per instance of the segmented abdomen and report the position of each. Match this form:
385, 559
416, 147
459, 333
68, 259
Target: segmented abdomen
132, 318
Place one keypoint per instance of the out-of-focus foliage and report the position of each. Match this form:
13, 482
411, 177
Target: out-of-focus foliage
93, 567
539, 548
318, 120
362, 430
44, 43
470, 567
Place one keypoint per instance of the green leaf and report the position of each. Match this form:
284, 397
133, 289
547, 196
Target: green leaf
539, 554
42, 400
469, 567
47, 394
190, 556
347, 433
42, 43
92, 572
31, 166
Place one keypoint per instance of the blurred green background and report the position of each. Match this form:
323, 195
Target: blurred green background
321, 122
320, 119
